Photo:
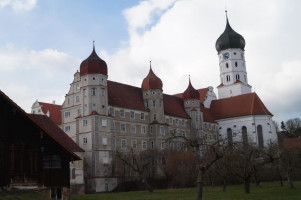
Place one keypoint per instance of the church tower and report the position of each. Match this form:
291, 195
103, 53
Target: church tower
233, 74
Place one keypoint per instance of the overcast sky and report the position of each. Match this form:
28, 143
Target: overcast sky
42, 43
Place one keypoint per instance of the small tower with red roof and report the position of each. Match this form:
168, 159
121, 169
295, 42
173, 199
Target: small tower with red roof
153, 96
192, 106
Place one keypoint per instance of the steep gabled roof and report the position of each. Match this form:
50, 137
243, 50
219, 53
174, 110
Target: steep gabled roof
241, 105
174, 106
48, 131
55, 132
54, 110
125, 96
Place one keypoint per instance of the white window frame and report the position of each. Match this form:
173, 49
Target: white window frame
162, 145
134, 144
144, 144
155, 116
142, 116
103, 92
85, 140
143, 129
162, 130
67, 128
85, 122
93, 92
123, 113
121, 129
123, 143
132, 115
133, 128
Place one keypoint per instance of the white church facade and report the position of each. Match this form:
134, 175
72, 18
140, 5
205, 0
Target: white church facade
103, 116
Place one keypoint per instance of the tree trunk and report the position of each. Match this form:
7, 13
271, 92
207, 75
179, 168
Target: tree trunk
289, 179
224, 185
281, 181
247, 185
200, 185
147, 185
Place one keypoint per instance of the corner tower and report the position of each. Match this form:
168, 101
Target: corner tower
153, 96
233, 74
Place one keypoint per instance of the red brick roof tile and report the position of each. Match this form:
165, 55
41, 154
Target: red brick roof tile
241, 105
54, 110
174, 106
125, 96
207, 115
203, 93
291, 143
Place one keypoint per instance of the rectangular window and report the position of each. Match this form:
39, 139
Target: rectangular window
111, 111
177, 121
178, 132
122, 113
171, 146
182, 122
105, 160
85, 140
104, 122
133, 128
154, 103
67, 114
143, 129
51, 161
152, 144
178, 146
103, 92
68, 101
77, 86
93, 91
67, 128
78, 111
142, 116
132, 115
123, 143
85, 122
134, 144
85, 107
155, 116
170, 120
85, 92
146, 104
144, 144
160, 103
94, 106
122, 127
104, 141
77, 99
163, 145
162, 132
151, 130
170, 132
184, 133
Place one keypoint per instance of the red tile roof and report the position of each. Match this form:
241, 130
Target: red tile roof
47, 131
55, 132
174, 106
246, 104
207, 115
190, 92
291, 143
54, 110
125, 96
151, 81
203, 93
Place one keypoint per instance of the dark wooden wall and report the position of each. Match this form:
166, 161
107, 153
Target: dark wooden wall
22, 148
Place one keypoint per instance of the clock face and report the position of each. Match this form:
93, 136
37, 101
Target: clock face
226, 55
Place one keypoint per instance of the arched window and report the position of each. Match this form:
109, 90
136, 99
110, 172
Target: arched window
228, 78
244, 135
260, 136
237, 76
235, 64
227, 65
229, 135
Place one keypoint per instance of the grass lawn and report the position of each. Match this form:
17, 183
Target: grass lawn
21, 195
267, 191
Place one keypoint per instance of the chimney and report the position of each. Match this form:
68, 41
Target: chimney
53, 102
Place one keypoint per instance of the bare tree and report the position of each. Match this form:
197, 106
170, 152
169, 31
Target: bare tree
143, 165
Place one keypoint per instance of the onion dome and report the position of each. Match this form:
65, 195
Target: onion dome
151, 81
229, 39
93, 65
191, 93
